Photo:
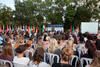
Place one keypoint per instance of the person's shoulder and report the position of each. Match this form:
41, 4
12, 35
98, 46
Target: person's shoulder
15, 57
25, 58
43, 64
69, 65
87, 66
61, 65
56, 65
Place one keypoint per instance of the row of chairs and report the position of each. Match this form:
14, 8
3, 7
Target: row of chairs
51, 60
74, 61
7, 63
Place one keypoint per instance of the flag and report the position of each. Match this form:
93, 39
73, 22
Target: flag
44, 29
33, 28
12, 28
23, 28
3, 28
18, 28
28, 28
78, 29
0, 29
7, 29
71, 28
36, 29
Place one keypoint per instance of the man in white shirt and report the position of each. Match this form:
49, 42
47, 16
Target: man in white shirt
19, 59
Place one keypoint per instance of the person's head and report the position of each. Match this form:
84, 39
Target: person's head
20, 49
98, 36
90, 44
40, 38
17, 36
7, 40
53, 46
96, 60
21, 40
71, 38
66, 54
28, 44
38, 55
81, 39
32, 38
70, 43
11, 36
7, 50
41, 44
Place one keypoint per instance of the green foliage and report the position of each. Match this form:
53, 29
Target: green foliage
83, 14
33, 12
70, 16
5, 16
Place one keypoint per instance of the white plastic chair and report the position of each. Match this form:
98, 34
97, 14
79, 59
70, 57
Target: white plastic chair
3, 62
51, 58
19, 65
35, 46
87, 60
74, 58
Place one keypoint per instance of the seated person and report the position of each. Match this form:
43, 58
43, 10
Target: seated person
96, 60
37, 60
20, 59
7, 53
66, 55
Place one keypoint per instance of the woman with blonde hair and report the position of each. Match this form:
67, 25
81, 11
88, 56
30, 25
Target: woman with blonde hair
66, 55
19, 42
71, 43
53, 46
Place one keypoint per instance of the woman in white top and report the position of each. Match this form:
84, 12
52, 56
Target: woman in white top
37, 60
19, 59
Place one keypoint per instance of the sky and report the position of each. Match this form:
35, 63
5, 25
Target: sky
9, 3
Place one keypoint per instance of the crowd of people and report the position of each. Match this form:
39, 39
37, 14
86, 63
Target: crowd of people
29, 49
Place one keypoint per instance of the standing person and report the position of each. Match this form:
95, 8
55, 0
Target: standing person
20, 59
66, 55
98, 42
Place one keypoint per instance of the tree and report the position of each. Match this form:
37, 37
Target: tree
5, 16
70, 16
83, 14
